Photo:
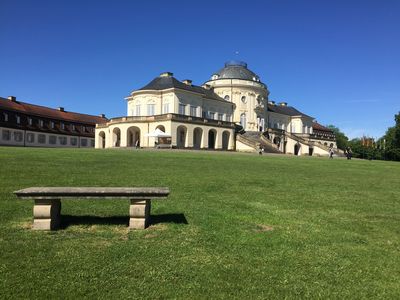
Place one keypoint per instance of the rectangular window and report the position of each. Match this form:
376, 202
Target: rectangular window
193, 111
6, 135
165, 108
228, 117
52, 139
211, 115
150, 109
40, 123
73, 127
5, 117
83, 128
18, 118
62, 140
84, 142
182, 109
18, 136
30, 137
220, 117
62, 126
52, 124
137, 110
74, 141
41, 139
30, 121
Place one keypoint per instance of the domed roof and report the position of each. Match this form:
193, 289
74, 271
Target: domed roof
235, 70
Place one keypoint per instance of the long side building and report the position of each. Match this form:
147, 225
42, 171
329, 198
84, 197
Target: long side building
28, 125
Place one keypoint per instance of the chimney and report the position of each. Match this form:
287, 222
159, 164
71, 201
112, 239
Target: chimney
12, 98
283, 104
187, 81
166, 74
102, 116
61, 108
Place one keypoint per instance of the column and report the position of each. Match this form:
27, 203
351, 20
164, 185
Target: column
139, 213
46, 214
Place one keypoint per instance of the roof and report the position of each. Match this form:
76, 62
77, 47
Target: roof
166, 82
47, 112
235, 70
317, 126
286, 110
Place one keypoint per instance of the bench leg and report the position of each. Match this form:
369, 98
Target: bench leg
139, 213
46, 214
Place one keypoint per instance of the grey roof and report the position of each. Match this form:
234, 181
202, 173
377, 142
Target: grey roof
286, 110
167, 82
236, 70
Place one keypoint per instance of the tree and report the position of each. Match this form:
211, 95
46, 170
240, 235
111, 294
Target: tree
341, 139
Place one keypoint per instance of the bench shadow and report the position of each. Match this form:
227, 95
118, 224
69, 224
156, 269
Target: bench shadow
68, 220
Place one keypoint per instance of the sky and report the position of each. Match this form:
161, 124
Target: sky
338, 61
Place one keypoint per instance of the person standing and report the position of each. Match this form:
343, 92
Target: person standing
331, 152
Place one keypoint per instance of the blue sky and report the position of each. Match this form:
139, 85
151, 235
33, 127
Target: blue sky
338, 61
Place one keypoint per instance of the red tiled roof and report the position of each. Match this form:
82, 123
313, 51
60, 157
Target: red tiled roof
51, 113
317, 126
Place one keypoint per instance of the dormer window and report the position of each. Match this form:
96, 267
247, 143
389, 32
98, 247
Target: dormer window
243, 99
227, 98
214, 77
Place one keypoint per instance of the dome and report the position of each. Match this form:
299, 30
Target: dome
235, 70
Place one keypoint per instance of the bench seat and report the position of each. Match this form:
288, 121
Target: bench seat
47, 206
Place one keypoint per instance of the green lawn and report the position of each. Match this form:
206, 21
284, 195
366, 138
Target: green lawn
235, 226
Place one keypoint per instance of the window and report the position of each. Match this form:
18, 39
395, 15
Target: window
83, 128
62, 126
41, 138
40, 123
165, 108
52, 125
243, 99
52, 139
220, 117
84, 142
73, 127
137, 110
18, 118
150, 109
5, 117
243, 120
30, 121
193, 111
74, 141
182, 109
228, 117
227, 98
211, 115
6, 135
18, 136
62, 140
30, 137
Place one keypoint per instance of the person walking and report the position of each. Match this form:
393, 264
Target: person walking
331, 152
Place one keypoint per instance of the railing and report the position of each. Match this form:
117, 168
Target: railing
166, 117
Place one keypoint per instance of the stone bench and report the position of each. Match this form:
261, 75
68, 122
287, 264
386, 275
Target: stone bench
47, 206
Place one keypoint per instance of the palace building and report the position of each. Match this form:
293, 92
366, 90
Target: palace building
231, 111
29, 125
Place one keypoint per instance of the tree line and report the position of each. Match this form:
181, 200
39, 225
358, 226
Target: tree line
385, 148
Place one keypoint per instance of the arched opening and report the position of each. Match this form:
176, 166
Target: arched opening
116, 140
161, 127
310, 151
181, 134
102, 139
331, 145
225, 140
197, 135
326, 144
133, 136
297, 149
243, 120
277, 141
212, 134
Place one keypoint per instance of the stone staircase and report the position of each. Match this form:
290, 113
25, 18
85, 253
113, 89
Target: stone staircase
254, 139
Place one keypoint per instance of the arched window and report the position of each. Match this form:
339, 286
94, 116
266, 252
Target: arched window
227, 98
243, 120
243, 99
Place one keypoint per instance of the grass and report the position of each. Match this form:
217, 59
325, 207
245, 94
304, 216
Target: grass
235, 226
